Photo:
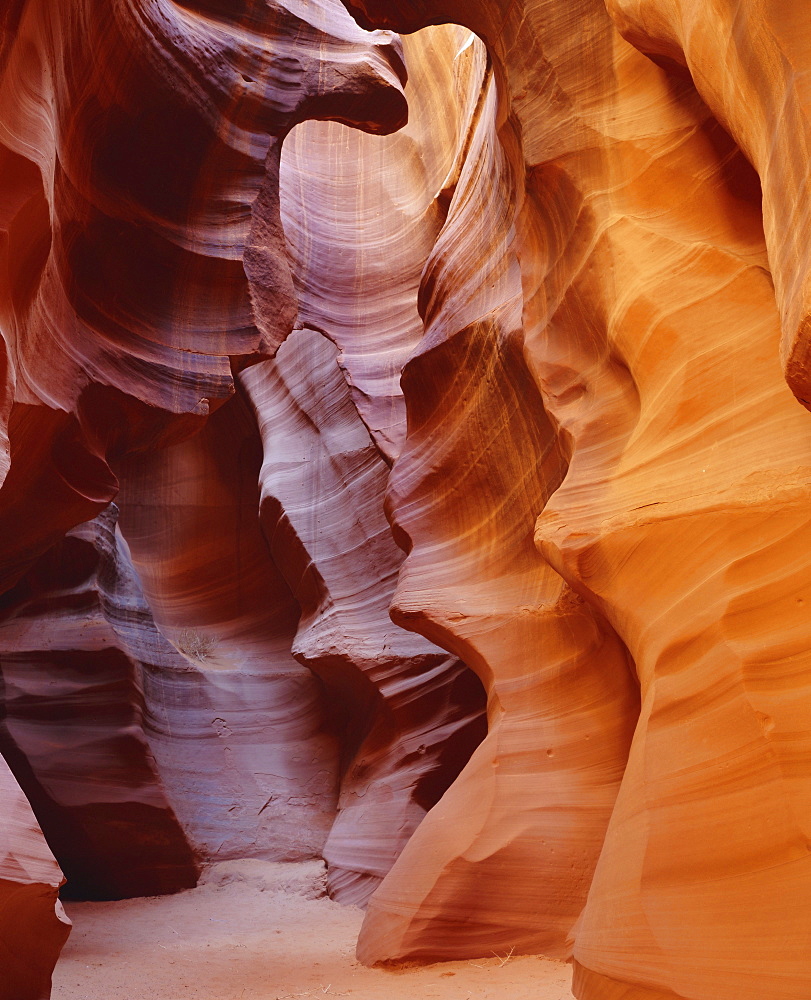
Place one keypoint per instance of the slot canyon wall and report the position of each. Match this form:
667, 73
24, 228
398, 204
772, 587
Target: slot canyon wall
405, 462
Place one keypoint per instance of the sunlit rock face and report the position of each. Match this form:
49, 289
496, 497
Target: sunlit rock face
650, 289
478, 462
461, 530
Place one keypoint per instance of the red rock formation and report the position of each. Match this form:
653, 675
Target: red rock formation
417, 712
238, 726
361, 215
143, 260
72, 725
140, 142
767, 112
33, 925
581, 253
650, 328
534, 788
414, 713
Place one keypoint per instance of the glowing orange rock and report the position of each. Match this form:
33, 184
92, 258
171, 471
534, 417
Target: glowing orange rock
649, 324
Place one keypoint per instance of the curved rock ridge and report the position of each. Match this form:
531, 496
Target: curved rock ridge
238, 726
146, 180
142, 261
142, 250
361, 214
499, 387
650, 329
537, 794
767, 112
72, 725
412, 715
33, 925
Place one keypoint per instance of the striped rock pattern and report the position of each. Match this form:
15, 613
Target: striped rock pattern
143, 252
143, 265
237, 725
513, 388
651, 292
361, 214
72, 726
412, 713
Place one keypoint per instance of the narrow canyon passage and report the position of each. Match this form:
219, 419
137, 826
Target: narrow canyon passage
405, 464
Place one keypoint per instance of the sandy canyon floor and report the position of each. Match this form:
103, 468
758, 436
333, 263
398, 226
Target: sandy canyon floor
253, 931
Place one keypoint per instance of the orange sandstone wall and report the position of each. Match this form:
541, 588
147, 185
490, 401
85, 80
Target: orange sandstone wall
460, 532
653, 292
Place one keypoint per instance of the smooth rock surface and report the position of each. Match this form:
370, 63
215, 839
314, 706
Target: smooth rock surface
650, 327
33, 924
411, 714
500, 407
237, 725
142, 251
142, 264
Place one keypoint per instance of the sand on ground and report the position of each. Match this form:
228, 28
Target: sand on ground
257, 931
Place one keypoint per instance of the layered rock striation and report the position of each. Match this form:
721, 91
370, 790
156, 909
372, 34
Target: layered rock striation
650, 328
460, 533
144, 249
144, 265
237, 725
411, 712
72, 721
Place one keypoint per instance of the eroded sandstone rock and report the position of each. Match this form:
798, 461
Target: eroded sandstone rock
33, 925
238, 726
582, 254
651, 331
140, 147
72, 724
143, 262
412, 714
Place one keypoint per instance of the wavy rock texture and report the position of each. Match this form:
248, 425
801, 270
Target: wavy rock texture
416, 713
537, 795
650, 329
767, 112
142, 262
238, 726
361, 215
582, 253
248, 744
72, 725
143, 252
33, 925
